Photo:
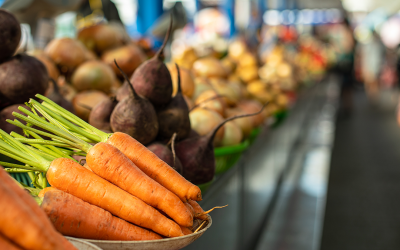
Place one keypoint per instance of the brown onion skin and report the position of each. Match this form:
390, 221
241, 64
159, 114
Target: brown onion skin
10, 34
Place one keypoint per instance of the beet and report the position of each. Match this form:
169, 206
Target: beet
166, 154
135, 116
197, 154
5, 114
100, 115
174, 118
152, 79
10, 34
56, 97
21, 78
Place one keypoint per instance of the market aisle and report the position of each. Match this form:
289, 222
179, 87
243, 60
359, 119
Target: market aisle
362, 208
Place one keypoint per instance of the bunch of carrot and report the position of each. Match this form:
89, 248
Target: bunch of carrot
132, 193
23, 225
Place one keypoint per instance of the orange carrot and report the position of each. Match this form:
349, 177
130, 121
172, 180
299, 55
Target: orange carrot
186, 230
198, 211
68, 176
190, 208
72, 216
111, 164
19, 224
7, 244
45, 190
154, 167
32, 205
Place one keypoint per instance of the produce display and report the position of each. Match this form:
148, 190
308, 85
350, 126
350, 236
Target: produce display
116, 146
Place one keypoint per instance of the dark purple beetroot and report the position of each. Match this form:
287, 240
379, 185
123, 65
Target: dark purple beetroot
21, 78
56, 97
165, 154
197, 154
5, 114
174, 117
135, 116
152, 79
10, 34
100, 115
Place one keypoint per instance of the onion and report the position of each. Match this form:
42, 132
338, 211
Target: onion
203, 121
245, 123
231, 92
128, 57
233, 134
209, 67
84, 102
187, 80
93, 75
205, 100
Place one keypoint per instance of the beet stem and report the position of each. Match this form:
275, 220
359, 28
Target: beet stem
160, 52
173, 147
214, 132
135, 95
179, 78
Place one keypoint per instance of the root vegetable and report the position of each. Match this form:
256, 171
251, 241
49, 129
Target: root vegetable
187, 80
93, 75
203, 121
197, 154
85, 101
100, 115
135, 116
210, 100
128, 57
56, 97
174, 117
209, 67
21, 77
10, 34
74, 217
152, 78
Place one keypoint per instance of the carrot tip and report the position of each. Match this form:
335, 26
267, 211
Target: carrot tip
206, 212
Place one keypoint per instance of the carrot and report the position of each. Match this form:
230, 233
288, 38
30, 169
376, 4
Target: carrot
143, 158
31, 204
73, 217
111, 164
19, 224
198, 211
154, 167
186, 230
7, 244
44, 191
68, 176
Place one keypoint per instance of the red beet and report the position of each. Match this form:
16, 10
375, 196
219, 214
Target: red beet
152, 79
174, 117
101, 114
197, 154
5, 114
10, 34
166, 154
135, 116
21, 78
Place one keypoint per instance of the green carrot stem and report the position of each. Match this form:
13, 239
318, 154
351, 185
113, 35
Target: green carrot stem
52, 136
64, 121
38, 162
61, 132
40, 141
32, 177
12, 150
32, 191
46, 150
18, 170
13, 165
71, 117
